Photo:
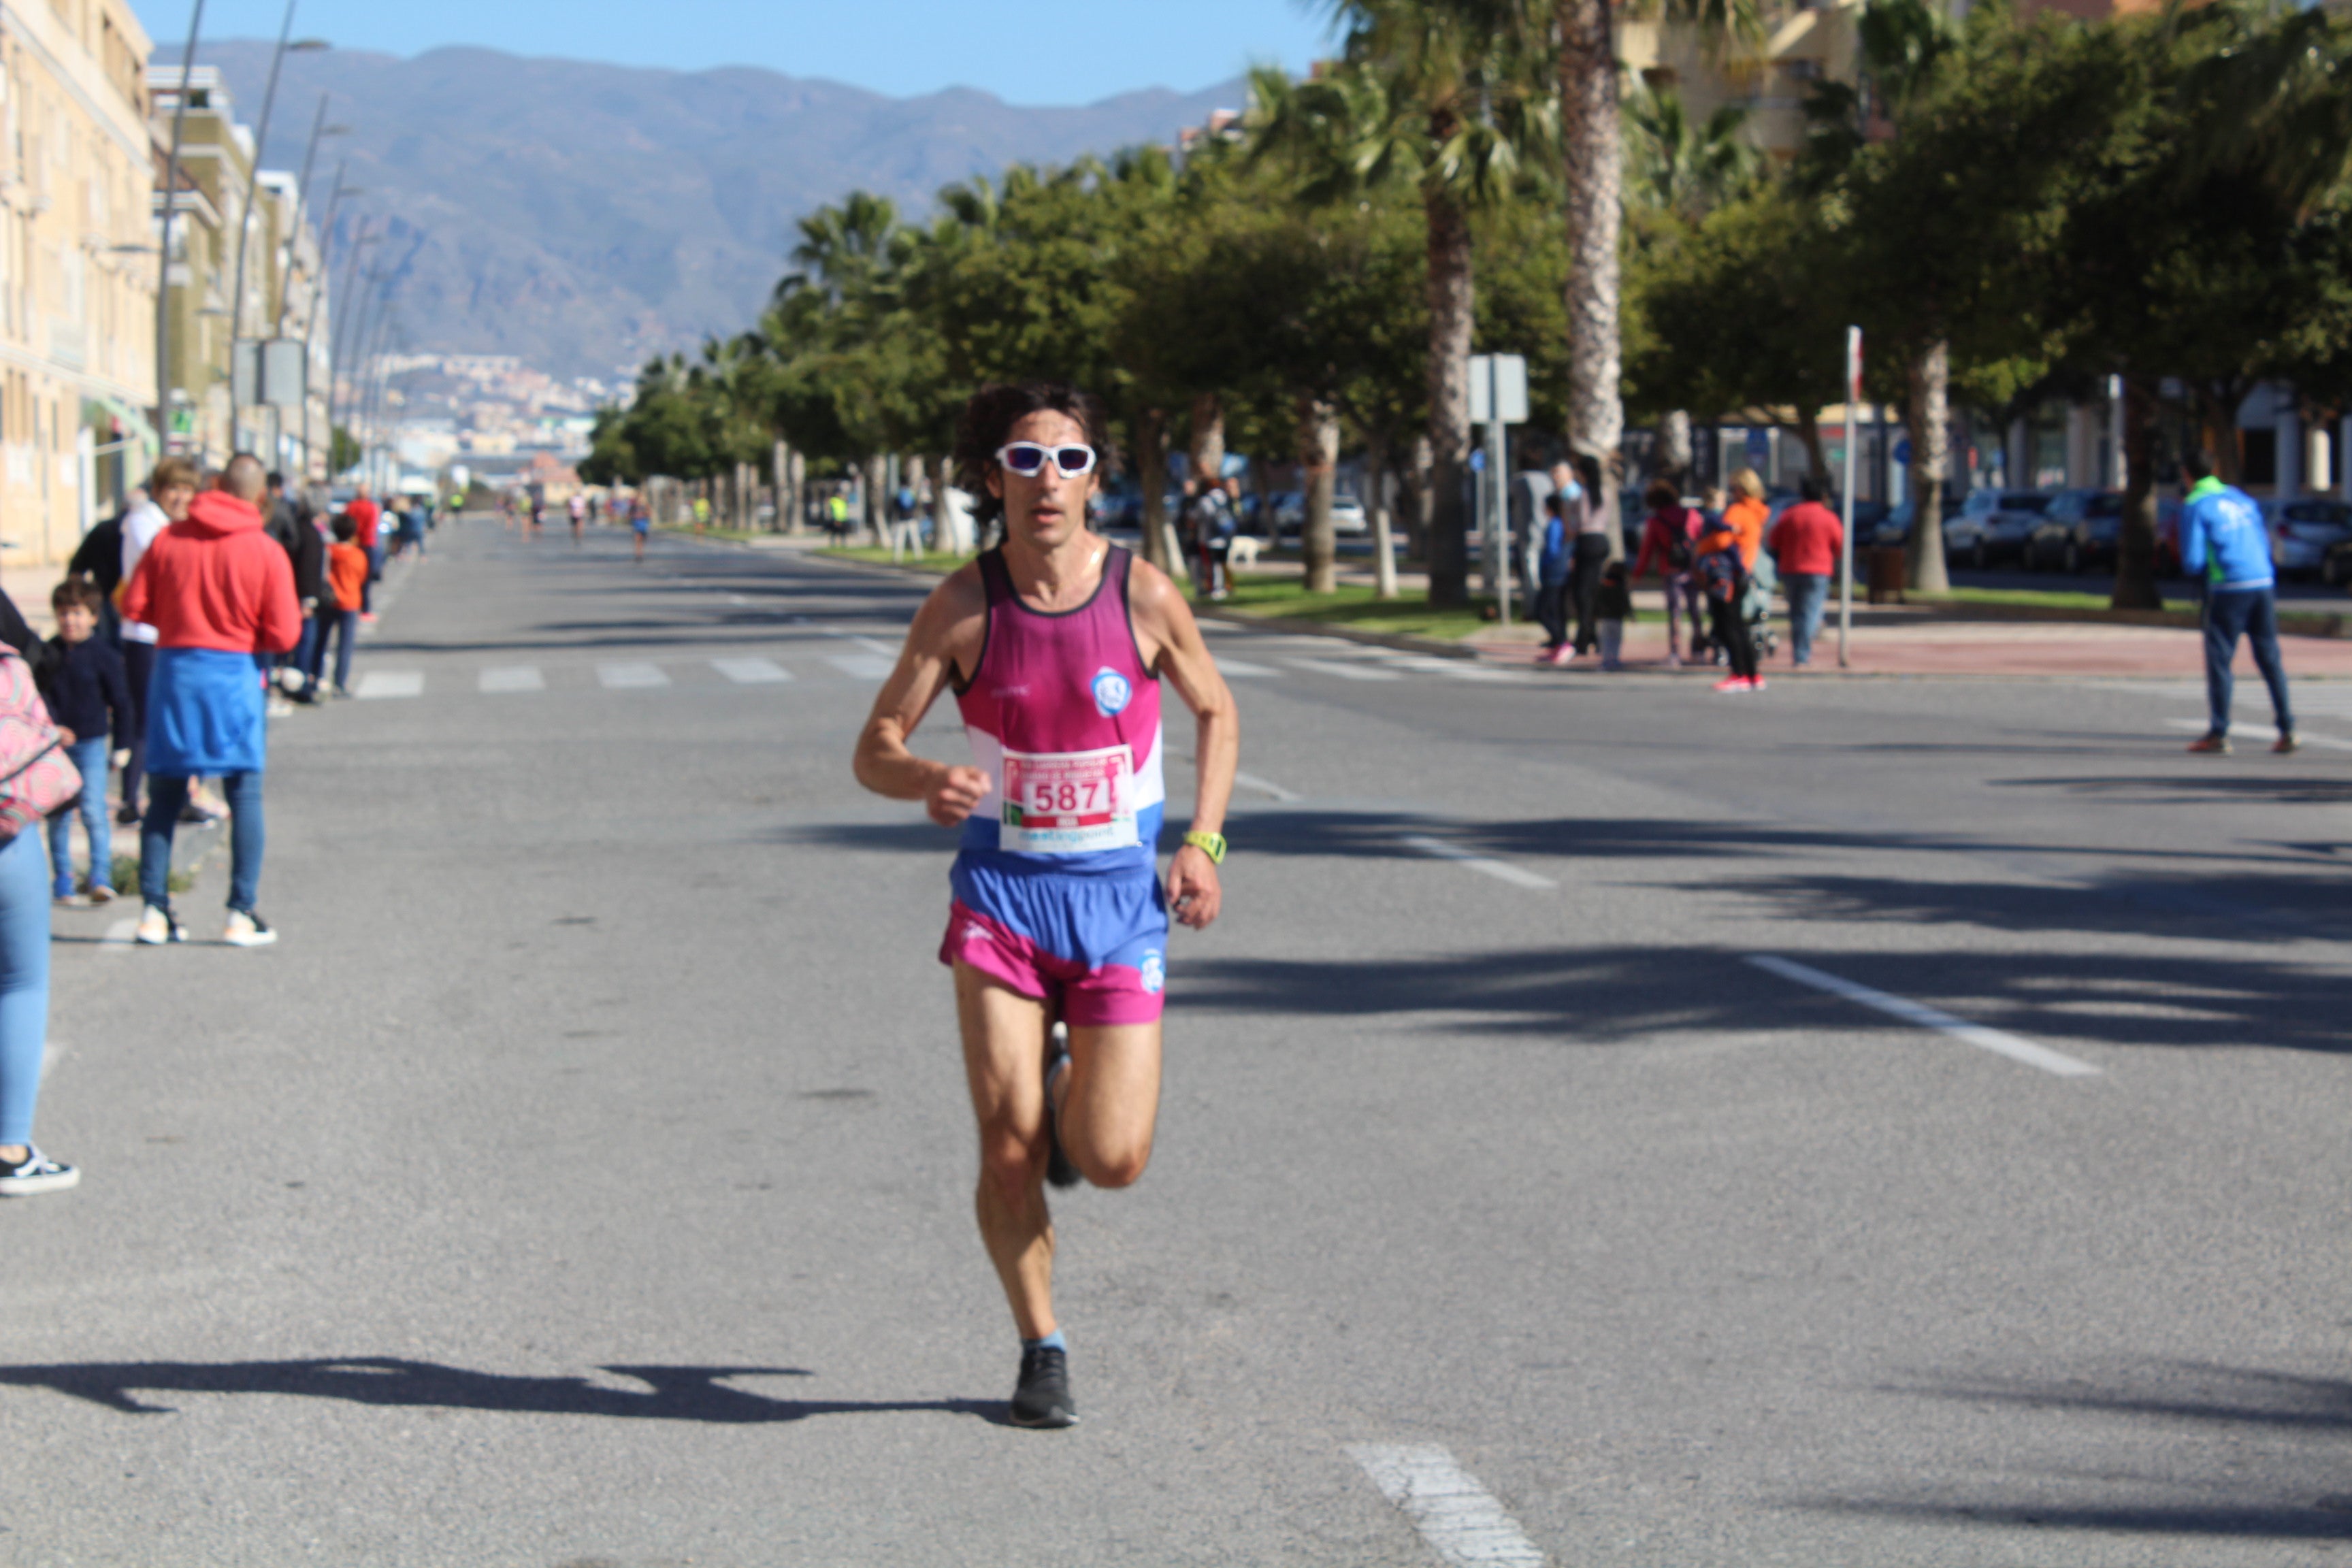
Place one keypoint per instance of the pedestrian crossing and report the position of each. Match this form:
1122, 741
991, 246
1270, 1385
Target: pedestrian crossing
1334, 664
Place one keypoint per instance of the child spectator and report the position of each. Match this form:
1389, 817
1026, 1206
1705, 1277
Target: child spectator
1614, 606
347, 573
89, 695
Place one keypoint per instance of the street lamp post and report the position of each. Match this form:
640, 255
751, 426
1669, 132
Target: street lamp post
163, 264
245, 219
319, 128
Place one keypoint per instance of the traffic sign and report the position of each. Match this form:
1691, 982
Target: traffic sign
1498, 378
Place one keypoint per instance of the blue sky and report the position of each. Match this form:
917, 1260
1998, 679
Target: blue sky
1072, 53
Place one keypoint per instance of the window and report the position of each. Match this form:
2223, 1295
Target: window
2258, 452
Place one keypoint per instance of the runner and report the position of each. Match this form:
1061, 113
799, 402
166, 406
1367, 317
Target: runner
641, 522
1054, 643
578, 507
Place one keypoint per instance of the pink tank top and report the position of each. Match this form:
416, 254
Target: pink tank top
1065, 719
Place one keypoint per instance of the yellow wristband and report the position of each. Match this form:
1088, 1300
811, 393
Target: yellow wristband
1213, 844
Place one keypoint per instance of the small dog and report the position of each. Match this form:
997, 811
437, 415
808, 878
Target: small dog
1242, 554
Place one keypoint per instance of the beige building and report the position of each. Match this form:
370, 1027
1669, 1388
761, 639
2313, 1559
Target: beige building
76, 271
1801, 46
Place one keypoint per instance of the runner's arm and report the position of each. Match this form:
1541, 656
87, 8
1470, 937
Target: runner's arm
955, 614
1181, 657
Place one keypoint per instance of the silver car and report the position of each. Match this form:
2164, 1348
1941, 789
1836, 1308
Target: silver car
1993, 525
2303, 530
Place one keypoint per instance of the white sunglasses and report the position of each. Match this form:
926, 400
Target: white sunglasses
1028, 459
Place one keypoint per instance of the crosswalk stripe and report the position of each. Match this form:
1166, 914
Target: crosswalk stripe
513, 678
1451, 668
1244, 668
630, 677
864, 665
1345, 671
752, 672
380, 683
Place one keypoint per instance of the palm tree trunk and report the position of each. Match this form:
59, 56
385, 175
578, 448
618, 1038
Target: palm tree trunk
1319, 457
1809, 436
2136, 586
1451, 308
1208, 453
1590, 134
1376, 464
1930, 422
1674, 447
1151, 474
877, 500
1418, 492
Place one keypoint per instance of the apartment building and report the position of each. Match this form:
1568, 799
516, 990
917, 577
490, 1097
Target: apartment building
215, 185
291, 433
76, 271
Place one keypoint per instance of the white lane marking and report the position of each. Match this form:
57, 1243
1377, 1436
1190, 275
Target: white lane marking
1345, 671
732, 598
1501, 870
864, 665
120, 936
1459, 1518
1245, 669
1451, 668
752, 672
1264, 786
379, 683
2014, 1047
2325, 742
513, 678
630, 677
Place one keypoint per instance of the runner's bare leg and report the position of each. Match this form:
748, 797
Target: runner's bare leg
1004, 1053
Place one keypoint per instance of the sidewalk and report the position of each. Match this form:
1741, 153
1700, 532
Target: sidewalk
1897, 641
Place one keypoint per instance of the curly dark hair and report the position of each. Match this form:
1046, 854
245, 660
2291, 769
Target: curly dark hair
989, 419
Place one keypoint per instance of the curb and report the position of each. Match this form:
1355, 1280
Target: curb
2291, 623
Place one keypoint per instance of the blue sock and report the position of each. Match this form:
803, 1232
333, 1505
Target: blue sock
1052, 1341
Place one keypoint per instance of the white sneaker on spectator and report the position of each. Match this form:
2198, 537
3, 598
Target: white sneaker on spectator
246, 929
33, 1174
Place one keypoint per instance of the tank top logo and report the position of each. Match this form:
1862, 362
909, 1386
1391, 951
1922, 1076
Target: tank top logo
1112, 692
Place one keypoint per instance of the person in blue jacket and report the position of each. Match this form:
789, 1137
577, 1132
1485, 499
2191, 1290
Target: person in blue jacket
2224, 546
1552, 561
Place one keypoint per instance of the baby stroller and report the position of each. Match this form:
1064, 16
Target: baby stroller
1756, 606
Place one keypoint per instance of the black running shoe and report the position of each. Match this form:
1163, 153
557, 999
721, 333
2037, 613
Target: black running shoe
1059, 1171
1043, 1398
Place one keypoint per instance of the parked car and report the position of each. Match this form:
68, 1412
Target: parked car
2078, 532
2303, 530
2335, 566
1895, 528
1347, 514
1993, 525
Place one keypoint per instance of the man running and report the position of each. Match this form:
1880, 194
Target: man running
1054, 643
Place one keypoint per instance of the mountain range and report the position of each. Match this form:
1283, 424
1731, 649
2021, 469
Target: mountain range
585, 216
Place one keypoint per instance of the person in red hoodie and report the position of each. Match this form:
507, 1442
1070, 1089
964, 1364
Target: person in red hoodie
1805, 542
220, 594
368, 518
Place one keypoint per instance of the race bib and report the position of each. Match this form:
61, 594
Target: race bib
1068, 803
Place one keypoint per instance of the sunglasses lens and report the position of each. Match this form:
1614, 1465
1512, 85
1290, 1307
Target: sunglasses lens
1074, 460
1024, 459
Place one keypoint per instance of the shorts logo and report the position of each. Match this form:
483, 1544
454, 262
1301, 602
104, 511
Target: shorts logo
973, 932
1112, 693
1155, 974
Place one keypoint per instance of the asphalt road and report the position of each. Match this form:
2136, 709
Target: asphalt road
585, 1178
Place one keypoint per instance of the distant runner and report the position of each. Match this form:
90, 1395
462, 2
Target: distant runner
1055, 644
578, 507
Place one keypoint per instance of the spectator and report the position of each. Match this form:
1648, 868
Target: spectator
1669, 536
368, 518
170, 491
1551, 572
347, 567
98, 558
641, 522
413, 521
1615, 608
307, 553
1210, 516
1806, 541
1747, 516
24, 1170
219, 594
1722, 579
1590, 550
89, 698
2223, 542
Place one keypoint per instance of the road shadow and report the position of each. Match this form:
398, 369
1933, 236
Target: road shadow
2288, 789
2161, 1494
1623, 995
697, 1394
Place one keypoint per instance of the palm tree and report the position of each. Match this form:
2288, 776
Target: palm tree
1592, 137
1450, 96
1684, 168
